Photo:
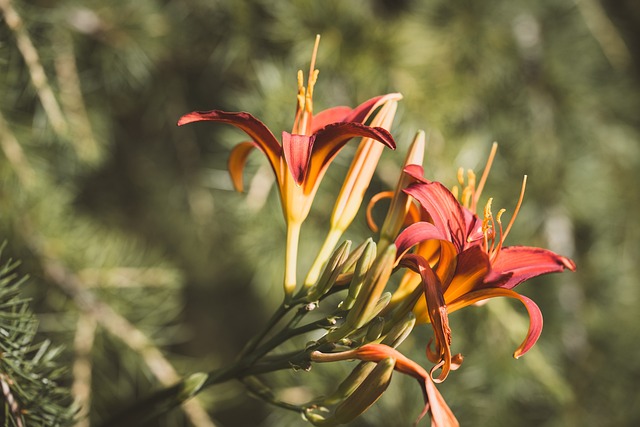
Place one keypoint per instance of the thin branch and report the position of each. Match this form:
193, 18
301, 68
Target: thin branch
71, 98
81, 387
605, 33
13, 151
36, 71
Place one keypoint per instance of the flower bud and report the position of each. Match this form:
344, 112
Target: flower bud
372, 288
330, 274
401, 201
360, 273
367, 393
400, 331
374, 329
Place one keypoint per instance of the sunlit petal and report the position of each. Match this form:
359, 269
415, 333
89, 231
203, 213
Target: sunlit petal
522, 263
330, 140
416, 233
535, 315
328, 116
361, 113
253, 127
444, 209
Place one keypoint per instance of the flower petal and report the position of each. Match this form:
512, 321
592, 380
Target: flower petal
237, 160
416, 233
472, 267
328, 116
330, 140
253, 127
361, 113
535, 315
437, 313
441, 414
297, 152
520, 263
445, 210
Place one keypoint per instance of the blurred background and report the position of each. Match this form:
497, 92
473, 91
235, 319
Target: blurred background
145, 266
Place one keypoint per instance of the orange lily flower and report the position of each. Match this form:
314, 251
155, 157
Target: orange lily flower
300, 162
460, 260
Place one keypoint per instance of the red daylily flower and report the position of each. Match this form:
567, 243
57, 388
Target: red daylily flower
460, 260
300, 161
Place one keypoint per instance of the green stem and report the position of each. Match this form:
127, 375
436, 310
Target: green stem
255, 341
291, 259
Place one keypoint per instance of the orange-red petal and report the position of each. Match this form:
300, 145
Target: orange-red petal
535, 315
253, 127
236, 162
515, 264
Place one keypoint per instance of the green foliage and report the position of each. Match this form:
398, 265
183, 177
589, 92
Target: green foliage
32, 376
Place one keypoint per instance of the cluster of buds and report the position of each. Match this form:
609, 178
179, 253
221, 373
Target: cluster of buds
448, 257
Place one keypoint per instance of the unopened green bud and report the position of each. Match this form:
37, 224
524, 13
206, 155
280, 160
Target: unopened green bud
375, 328
367, 393
354, 256
330, 274
363, 265
353, 380
380, 305
374, 283
400, 331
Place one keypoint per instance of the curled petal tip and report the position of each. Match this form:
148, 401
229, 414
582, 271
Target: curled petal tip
188, 118
568, 263
196, 116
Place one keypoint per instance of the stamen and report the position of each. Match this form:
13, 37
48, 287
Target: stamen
312, 66
517, 209
471, 179
305, 125
455, 190
495, 250
300, 103
461, 176
487, 223
485, 174
467, 195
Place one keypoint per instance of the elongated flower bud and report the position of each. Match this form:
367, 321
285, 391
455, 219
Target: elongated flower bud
400, 202
400, 331
362, 268
372, 288
330, 274
353, 380
367, 393
377, 308
374, 329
